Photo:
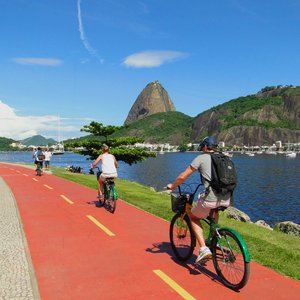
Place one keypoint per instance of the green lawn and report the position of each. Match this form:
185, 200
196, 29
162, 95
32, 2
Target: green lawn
275, 250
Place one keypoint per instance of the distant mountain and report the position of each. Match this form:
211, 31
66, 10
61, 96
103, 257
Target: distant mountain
153, 99
168, 127
38, 140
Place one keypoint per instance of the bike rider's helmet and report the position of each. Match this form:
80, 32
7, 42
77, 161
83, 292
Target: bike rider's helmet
210, 142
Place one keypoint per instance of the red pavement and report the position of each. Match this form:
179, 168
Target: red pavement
74, 258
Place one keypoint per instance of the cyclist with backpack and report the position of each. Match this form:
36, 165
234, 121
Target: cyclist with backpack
38, 159
218, 187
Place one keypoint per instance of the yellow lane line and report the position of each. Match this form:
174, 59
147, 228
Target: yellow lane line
48, 187
68, 200
176, 287
106, 230
34, 179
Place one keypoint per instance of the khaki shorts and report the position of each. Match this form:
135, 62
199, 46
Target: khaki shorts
202, 208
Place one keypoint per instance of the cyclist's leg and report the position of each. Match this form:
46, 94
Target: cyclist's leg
101, 185
200, 211
198, 230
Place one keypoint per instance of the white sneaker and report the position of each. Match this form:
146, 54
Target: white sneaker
204, 254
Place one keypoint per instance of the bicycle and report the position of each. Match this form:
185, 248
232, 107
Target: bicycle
109, 198
39, 168
230, 255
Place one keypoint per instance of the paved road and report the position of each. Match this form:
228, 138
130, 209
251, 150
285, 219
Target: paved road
60, 245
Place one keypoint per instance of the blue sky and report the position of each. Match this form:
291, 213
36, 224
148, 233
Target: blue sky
82, 60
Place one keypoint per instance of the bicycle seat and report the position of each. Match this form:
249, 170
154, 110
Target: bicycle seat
110, 179
220, 208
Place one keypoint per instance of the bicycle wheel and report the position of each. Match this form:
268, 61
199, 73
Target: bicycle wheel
182, 237
111, 200
229, 259
39, 171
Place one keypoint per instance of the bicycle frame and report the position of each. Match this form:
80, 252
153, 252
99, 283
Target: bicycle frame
108, 185
241, 240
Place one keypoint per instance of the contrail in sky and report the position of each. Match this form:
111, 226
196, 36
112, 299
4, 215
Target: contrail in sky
83, 37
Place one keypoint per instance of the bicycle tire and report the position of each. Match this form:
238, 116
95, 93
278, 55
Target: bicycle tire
182, 237
38, 171
228, 257
111, 200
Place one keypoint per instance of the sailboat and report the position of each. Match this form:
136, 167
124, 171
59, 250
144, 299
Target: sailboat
58, 148
161, 150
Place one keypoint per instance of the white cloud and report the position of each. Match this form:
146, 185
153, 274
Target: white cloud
21, 127
38, 61
150, 59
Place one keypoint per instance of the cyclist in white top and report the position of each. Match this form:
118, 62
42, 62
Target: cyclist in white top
109, 167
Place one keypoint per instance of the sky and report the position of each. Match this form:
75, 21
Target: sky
65, 63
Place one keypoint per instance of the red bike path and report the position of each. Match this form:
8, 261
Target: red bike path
81, 251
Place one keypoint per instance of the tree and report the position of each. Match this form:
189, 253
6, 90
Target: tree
119, 147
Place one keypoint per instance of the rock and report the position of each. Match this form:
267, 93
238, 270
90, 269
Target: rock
153, 99
234, 213
262, 223
288, 227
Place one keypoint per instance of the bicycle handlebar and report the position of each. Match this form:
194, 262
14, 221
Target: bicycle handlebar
191, 195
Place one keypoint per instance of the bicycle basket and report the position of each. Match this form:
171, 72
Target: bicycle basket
178, 203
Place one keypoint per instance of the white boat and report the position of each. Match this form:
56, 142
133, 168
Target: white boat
291, 154
271, 152
58, 149
228, 154
250, 153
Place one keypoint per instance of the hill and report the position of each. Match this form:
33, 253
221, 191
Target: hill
261, 119
153, 99
38, 140
5, 144
164, 127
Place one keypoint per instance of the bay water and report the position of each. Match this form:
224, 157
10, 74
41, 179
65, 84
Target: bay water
268, 185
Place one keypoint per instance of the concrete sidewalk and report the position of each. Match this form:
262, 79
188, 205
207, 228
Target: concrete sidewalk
17, 278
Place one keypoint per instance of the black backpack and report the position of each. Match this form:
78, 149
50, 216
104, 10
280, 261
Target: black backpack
223, 173
40, 155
